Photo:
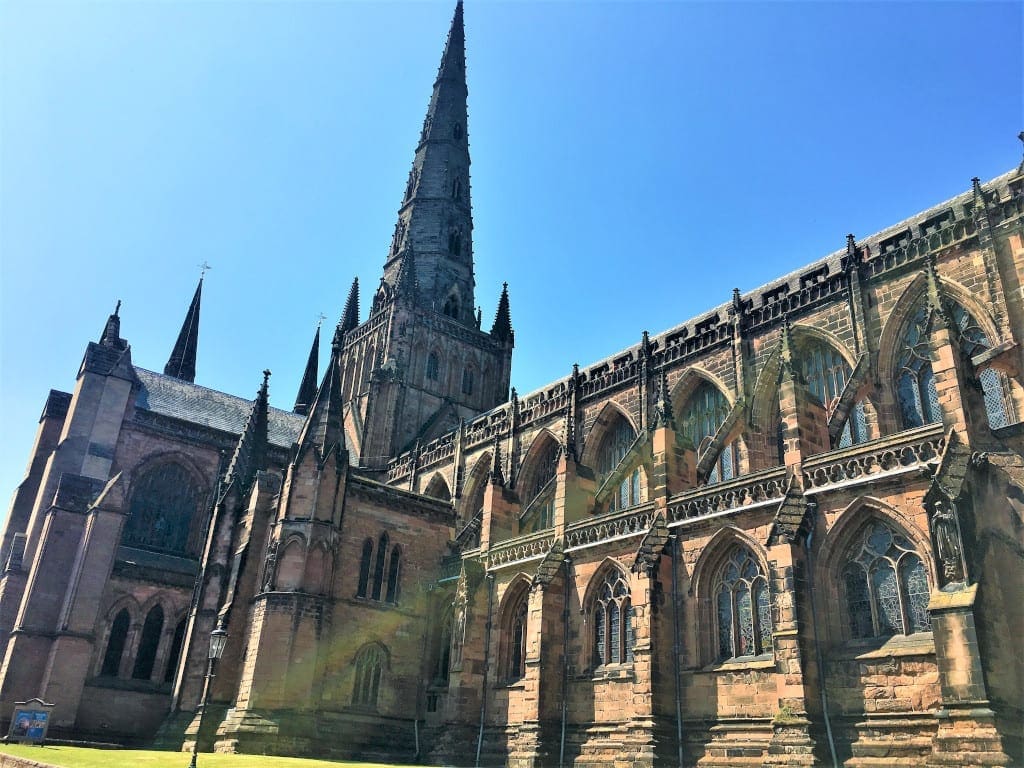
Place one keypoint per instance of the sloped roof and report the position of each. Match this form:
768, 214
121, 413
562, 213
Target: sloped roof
168, 396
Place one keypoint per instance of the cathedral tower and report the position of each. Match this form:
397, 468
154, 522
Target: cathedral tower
421, 362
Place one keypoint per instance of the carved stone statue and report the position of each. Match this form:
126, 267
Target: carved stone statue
270, 567
947, 540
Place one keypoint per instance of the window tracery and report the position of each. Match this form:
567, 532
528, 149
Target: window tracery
614, 446
612, 619
705, 412
743, 607
540, 494
164, 501
517, 643
369, 669
827, 373
385, 578
886, 585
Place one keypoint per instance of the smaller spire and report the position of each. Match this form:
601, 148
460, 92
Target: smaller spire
250, 455
307, 389
663, 415
502, 327
979, 195
323, 428
497, 476
350, 315
182, 363
111, 336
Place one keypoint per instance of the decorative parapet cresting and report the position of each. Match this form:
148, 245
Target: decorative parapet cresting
893, 453
744, 491
520, 549
616, 525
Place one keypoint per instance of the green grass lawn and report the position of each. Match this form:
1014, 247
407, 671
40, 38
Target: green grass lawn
79, 757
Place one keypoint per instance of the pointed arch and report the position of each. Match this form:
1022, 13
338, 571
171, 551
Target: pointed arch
714, 552
607, 419
378, 567
513, 617
317, 569
291, 564
540, 445
149, 642
700, 417
437, 488
472, 500
365, 563
609, 613
117, 638
370, 662
688, 382
166, 495
804, 333
174, 654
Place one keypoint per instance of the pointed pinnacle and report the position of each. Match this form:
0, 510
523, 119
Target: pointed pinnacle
497, 476
323, 429
407, 285
250, 454
111, 336
307, 388
350, 315
182, 363
502, 327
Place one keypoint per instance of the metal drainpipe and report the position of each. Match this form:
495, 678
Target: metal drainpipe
817, 654
487, 656
565, 662
674, 551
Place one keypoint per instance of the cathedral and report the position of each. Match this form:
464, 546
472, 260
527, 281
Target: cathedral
788, 531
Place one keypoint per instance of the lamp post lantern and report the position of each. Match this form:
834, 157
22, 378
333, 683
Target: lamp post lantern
218, 639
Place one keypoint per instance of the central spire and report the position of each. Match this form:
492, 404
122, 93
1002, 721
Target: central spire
435, 220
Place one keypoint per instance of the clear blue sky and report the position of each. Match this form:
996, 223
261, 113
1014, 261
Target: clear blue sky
632, 163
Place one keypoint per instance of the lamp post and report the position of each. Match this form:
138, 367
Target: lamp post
218, 639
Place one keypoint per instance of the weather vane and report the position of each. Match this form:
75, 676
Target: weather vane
203, 269
320, 319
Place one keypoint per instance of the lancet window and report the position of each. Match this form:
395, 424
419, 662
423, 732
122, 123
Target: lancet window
433, 366
369, 669
380, 575
540, 493
175, 655
886, 585
743, 607
705, 412
145, 657
612, 620
115, 644
515, 626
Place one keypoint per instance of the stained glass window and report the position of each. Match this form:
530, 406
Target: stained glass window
540, 493
614, 447
877, 603
378, 568
163, 504
827, 373
973, 340
705, 412
517, 649
613, 620
743, 607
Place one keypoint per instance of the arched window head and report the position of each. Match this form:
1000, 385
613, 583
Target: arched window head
467, 381
451, 307
369, 664
433, 366
743, 607
443, 661
394, 571
612, 619
704, 413
115, 644
539, 509
615, 444
885, 584
826, 373
164, 502
437, 488
364, 568
378, 569
516, 662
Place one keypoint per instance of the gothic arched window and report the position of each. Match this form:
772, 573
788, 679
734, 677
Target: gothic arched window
743, 607
614, 446
826, 373
915, 383
457, 131
369, 670
164, 501
443, 663
705, 412
972, 341
467, 381
517, 638
152, 628
175, 655
115, 644
540, 493
886, 585
394, 568
364, 568
612, 620
378, 570
433, 366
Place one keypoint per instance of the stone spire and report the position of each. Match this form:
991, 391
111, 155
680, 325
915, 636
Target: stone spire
250, 455
350, 315
307, 389
182, 364
111, 336
323, 431
502, 328
435, 217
